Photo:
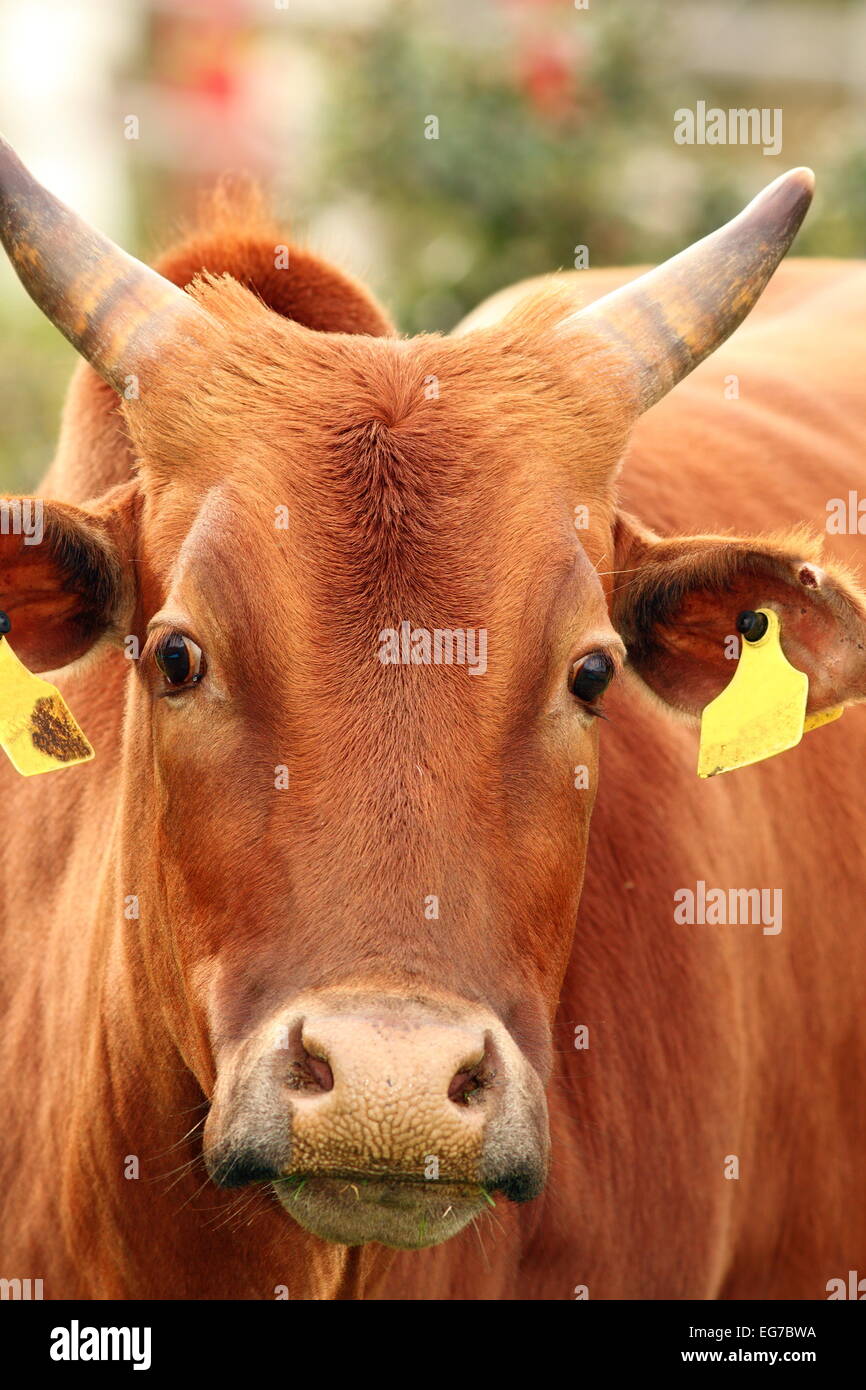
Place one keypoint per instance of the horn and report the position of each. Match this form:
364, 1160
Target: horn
117, 312
667, 321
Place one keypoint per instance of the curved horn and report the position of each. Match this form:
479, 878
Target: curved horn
668, 320
114, 310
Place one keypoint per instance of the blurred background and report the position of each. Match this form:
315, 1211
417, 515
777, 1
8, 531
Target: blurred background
437, 148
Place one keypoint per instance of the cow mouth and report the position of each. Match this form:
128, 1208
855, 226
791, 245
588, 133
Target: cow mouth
406, 1215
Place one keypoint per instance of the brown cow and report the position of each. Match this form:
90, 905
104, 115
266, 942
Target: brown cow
327, 899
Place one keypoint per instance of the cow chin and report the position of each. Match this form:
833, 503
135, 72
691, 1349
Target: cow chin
402, 1215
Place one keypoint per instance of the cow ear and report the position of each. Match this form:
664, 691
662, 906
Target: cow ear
676, 602
65, 576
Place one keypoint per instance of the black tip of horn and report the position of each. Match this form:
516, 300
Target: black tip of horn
783, 204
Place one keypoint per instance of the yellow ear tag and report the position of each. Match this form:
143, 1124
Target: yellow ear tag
37, 730
762, 711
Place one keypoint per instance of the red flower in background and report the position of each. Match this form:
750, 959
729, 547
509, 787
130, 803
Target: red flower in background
201, 56
548, 73
200, 74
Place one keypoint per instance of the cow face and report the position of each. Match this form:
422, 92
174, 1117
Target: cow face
370, 748
358, 852
370, 586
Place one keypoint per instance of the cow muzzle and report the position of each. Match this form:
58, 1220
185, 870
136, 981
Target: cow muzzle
380, 1119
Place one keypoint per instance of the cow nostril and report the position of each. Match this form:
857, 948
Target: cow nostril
465, 1088
469, 1084
320, 1071
475, 1076
307, 1072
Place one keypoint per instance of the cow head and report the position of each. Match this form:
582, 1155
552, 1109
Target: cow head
372, 649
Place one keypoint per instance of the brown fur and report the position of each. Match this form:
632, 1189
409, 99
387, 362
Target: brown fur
449, 511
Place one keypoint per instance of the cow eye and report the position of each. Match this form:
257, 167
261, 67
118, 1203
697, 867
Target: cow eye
590, 677
179, 660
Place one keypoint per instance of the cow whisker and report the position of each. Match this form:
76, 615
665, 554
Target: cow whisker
237, 1207
194, 1195
176, 1145
181, 1172
476, 1228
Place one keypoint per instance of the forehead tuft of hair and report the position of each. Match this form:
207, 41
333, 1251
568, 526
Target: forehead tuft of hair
234, 233
262, 394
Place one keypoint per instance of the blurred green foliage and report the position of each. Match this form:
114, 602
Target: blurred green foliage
555, 130
530, 130
35, 364
557, 135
